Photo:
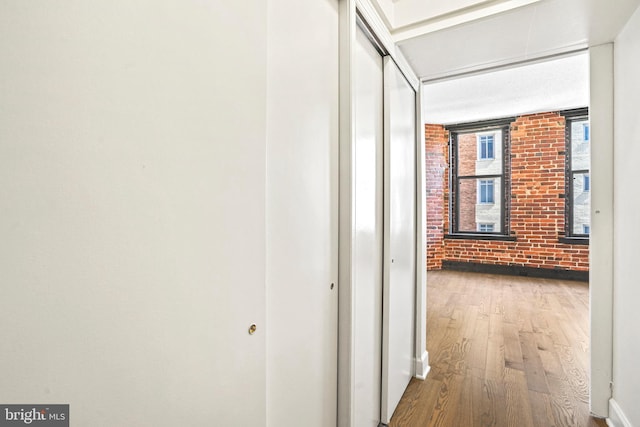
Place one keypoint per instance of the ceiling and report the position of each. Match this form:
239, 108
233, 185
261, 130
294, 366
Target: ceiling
557, 84
441, 38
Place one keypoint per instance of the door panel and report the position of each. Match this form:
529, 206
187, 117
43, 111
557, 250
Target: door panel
400, 238
302, 232
367, 256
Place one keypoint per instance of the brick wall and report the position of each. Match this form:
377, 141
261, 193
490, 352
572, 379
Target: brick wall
537, 201
436, 140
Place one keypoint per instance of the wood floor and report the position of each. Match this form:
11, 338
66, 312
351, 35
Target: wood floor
504, 351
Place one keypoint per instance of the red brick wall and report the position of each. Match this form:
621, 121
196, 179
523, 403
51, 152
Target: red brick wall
537, 203
436, 148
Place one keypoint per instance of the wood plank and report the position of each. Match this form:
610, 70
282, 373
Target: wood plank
495, 366
480, 343
464, 414
541, 409
488, 403
517, 405
447, 405
562, 403
574, 374
512, 348
534, 371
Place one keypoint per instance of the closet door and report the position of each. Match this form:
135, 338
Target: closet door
399, 237
367, 231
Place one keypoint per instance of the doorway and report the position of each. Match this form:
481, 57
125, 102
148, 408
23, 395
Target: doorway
564, 236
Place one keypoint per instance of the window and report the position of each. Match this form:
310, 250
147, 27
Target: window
479, 179
585, 132
486, 191
485, 145
487, 228
578, 179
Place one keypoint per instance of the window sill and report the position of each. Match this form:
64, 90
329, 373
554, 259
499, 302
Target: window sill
471, 236
574, 240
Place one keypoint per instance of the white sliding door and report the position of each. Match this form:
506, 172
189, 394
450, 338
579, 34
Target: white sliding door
367, 233
378, 227
399, 238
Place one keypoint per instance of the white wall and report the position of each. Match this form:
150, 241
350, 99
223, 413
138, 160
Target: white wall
302, 144
132, 200
626, 372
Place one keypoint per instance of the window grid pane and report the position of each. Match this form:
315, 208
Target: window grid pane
581, 202
473, 214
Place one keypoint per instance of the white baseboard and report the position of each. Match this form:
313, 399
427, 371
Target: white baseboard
422, 366
617, 418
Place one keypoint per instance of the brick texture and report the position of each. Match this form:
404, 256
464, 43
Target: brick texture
537, 201
436, 144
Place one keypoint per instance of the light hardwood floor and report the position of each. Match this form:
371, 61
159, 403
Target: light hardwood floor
504, 351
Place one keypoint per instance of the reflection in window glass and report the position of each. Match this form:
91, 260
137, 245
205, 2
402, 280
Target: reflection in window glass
581, 203
579, 207
473, 210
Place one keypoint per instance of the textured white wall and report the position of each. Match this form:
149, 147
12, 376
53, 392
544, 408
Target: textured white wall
626, 389
132, 251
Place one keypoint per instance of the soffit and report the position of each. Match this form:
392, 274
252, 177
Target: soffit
444, 37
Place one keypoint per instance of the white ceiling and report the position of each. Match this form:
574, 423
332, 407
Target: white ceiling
559, 84
446, 37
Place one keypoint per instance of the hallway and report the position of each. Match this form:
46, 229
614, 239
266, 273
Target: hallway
504, 351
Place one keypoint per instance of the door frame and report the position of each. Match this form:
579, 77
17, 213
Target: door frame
601, 82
